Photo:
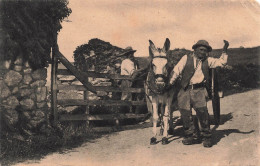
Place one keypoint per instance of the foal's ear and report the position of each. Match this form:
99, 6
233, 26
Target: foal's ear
152, 46
166, 46
150, 53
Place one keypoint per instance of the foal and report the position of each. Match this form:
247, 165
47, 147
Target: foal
156, 89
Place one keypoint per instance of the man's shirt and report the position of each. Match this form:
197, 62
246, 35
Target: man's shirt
198, 76
127, 67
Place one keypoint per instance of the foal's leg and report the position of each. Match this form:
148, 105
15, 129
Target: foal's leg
166, 124
166, 120
155, 115
169, 104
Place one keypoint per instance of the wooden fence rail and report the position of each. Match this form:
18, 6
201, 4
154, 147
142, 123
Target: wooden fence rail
96, 75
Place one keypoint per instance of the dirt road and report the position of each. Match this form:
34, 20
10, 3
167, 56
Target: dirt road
236, 143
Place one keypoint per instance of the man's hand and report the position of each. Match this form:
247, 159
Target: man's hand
134, 75
225, 46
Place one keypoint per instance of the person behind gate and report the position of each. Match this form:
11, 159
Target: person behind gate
128, 67
194, 69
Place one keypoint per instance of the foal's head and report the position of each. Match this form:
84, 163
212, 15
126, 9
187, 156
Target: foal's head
159, 63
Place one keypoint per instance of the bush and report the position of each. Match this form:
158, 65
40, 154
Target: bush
239, 76
29, 29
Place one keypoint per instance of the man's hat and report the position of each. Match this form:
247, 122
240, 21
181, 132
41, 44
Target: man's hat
202, 43
130, 50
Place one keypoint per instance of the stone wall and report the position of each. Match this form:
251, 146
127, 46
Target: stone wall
23, 95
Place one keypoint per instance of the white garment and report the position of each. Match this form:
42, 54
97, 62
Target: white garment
198, 76
127, 67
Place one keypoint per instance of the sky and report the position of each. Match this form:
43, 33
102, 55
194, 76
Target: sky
133, 23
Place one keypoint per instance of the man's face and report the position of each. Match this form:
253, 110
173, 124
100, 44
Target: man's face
131, 57
201, 52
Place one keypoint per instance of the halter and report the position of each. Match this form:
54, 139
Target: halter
159, 75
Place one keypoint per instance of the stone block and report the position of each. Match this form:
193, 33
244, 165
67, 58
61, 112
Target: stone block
15, 90
18, 68
26, 92
35, 123
12, 78
26, 115
4, 90
41, 94
38, 83
11, 116
23, 86
27, 70
11, 102
27, 104
40, 74
32, 96
41, 104
39, 114
27, 79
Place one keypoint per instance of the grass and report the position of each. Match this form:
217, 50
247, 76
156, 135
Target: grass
68, 135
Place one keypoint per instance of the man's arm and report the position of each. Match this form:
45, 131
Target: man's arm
177, 70
219, 62
140, 72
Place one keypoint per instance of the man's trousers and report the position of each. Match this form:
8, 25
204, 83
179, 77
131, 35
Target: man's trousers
196, 99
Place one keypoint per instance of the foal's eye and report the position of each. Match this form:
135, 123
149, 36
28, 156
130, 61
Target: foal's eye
164, 69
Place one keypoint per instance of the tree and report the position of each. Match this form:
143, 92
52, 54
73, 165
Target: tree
28, 29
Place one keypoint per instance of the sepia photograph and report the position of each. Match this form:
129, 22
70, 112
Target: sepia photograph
129, 82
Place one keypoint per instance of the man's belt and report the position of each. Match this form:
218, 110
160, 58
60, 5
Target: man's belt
196, 86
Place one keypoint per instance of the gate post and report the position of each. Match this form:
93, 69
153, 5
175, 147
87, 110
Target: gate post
85, 93
54, 67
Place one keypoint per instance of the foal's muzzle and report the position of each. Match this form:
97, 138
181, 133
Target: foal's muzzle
160, 81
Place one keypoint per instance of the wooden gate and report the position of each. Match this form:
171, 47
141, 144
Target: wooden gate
57, 57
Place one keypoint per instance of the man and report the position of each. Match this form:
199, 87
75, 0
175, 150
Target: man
128, 67
194, 69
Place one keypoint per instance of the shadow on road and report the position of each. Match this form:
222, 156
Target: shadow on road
223, 119
217, 135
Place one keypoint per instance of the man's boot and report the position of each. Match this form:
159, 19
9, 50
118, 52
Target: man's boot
187, 140
196, 139
207, 142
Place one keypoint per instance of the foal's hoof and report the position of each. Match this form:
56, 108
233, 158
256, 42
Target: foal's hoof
153, 141
165, 141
